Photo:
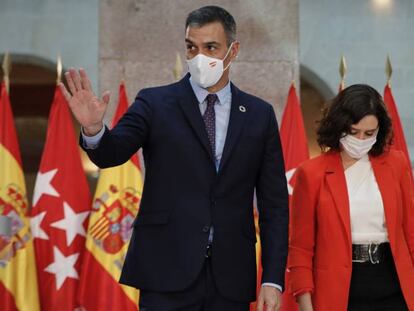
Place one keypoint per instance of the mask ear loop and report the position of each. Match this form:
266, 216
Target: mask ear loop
227, 54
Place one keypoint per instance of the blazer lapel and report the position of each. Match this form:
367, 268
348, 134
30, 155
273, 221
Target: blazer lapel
336, 181
238, 113
386, 183
190, 106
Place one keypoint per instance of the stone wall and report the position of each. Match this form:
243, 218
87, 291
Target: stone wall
139, 40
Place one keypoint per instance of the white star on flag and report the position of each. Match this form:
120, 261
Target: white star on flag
37, 231
72, 223
63, 267
289, 175
43, 185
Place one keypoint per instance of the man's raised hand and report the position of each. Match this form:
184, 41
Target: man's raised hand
88, 109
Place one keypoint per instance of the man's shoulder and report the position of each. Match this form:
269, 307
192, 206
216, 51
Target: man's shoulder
161, 90
257, 101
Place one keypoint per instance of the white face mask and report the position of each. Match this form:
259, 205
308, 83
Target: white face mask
205, 70
357, 148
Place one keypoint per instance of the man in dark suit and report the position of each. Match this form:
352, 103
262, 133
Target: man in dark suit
207, 147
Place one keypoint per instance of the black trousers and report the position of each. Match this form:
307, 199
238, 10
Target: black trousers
202, 295
375, 287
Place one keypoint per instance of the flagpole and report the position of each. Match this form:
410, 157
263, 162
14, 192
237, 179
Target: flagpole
388, 70
59, 69
342, 71
5, 222
6, 70
178, 68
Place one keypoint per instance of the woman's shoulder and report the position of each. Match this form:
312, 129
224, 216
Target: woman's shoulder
393, 157
319, 163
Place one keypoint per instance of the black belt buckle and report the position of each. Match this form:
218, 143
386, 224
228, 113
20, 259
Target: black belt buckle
208, 251
373, 253
366, 253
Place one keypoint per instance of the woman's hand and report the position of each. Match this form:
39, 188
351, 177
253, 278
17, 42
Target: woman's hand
305, 302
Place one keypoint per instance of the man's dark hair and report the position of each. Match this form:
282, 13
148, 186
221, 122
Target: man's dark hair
348, 108
210, 14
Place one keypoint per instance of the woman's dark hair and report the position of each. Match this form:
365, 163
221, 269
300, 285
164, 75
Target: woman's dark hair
348, 108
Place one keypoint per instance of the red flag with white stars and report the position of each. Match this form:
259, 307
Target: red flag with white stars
399, 138
295, 151
61, 203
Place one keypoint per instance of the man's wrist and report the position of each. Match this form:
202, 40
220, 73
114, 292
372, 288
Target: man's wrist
277, 286
92, 130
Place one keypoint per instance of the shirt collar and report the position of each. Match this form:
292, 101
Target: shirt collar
201, 93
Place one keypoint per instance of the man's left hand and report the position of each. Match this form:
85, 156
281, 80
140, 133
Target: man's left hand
270, 297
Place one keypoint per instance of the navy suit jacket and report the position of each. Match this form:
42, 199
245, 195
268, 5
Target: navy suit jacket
184, 194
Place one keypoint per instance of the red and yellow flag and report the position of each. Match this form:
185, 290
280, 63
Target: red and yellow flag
114, 209
61, 205
18, 281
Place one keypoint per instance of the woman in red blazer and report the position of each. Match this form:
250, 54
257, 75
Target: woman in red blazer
352, 221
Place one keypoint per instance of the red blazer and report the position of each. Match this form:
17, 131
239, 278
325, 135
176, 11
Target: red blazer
320, 250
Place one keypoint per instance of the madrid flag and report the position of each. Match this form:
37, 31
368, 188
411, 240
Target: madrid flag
61, 204
295, 151
18, 282
293, 137
399, 138
114, 208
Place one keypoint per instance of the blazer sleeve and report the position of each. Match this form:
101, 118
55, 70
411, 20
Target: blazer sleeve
302, 237
407, 188
272, 202
119, 144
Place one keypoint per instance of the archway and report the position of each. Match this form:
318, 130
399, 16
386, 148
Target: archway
314, 93
32, 87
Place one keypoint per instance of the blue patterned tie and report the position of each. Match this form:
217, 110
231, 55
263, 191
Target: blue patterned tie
209, 118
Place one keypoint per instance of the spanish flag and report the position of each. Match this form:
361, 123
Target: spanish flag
18, 282
114, 209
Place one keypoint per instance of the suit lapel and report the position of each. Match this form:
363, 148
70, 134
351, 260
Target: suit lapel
385, 180
190, 106
336, 181
238, 113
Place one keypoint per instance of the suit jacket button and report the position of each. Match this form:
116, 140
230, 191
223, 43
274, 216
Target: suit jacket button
206, 229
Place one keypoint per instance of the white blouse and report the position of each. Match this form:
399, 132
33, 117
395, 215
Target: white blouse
365, 202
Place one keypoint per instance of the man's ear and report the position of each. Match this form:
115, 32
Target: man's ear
235, 50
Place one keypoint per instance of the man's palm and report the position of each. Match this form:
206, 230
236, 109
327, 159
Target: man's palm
85, 105
87, 108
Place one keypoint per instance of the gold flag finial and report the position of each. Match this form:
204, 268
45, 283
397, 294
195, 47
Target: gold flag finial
6, 70
59, 68
178, 68
342, 71
388, 70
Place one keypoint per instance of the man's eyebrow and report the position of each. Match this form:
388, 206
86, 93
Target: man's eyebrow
204, 43
211, 42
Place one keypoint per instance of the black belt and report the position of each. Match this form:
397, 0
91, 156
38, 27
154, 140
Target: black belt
370, 253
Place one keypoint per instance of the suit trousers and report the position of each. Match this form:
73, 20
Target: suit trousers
202, 295
375, 287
